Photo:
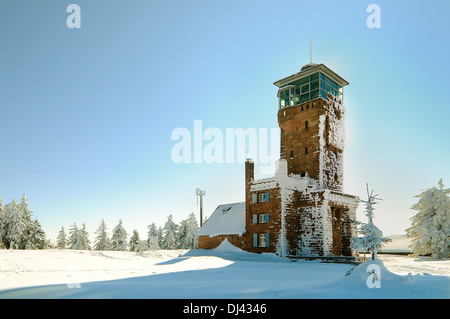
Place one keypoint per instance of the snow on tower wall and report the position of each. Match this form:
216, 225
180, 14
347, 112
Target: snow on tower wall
331, 134
301, 216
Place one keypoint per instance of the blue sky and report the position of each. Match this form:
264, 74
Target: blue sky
87, 114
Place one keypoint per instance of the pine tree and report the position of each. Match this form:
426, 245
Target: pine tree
191, 238
86, 243
170, 234
119, 238
102, 241
430, 227
187, 234
134, 241
141, 246
18, 228
160, 236
76, 238
34, 236
15, 225
152, 231
372, 238
61, 240
181, 234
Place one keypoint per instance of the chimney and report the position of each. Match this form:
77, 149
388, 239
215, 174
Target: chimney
249, 176
249, 170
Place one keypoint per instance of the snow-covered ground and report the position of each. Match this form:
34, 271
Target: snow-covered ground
225, 272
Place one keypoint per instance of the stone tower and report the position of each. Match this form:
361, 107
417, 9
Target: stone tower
311, 119
302, 211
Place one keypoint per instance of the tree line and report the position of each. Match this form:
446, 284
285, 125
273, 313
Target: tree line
171, 236
18, 228
429, 231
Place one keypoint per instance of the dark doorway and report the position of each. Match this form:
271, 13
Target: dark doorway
336, 218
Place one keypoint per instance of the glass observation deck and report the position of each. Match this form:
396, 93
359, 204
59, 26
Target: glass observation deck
307, 86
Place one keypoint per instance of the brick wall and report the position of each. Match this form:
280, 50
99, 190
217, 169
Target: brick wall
206, 242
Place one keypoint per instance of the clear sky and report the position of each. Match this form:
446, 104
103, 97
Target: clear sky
87, 114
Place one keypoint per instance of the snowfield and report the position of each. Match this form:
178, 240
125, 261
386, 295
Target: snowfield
225, 272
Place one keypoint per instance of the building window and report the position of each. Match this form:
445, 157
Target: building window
261, 240
263, 218
306, 151
259, 198
264, 197
292, 154
306, 125
307, 89
260, 218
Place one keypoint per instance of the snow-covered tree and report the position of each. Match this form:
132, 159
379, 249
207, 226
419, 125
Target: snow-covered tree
430, 227
170, 234
152, 231
119, 238
134, 240
102, 241
187, 234
15, 225
61, 240
34, 236
141, 246
75, 240
18, 228
85, 237
372, 238
160, 236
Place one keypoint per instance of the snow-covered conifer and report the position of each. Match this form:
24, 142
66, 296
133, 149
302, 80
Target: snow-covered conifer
76, 238
15, 225
134, 241
170, 234
61, 240
430, 227
372, 238
160, 236
102, 241
152, 231
119, 238
34, 236
85, 237
187, 237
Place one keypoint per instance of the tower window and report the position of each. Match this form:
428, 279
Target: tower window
306, 151
306, 125
302, 108
292, 154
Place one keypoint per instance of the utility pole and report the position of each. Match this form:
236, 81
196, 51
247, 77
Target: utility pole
200, 194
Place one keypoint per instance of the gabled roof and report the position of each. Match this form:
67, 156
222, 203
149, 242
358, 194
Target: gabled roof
227, 219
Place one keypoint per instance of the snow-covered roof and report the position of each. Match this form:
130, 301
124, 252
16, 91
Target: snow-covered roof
227, 219
398, 244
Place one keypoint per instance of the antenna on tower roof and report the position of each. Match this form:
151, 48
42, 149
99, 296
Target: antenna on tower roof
310, 50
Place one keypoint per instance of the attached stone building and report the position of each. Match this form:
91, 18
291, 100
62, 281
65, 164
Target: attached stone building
302, 210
